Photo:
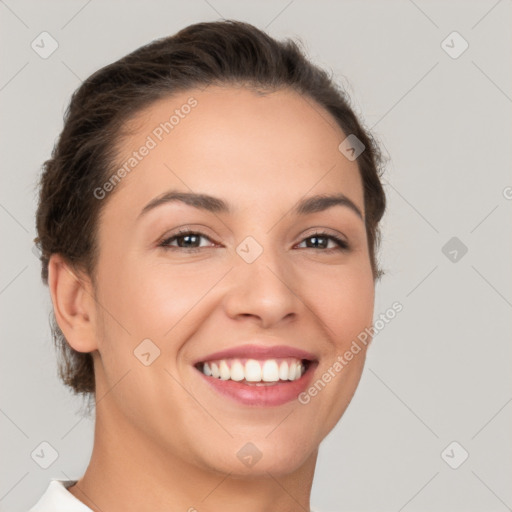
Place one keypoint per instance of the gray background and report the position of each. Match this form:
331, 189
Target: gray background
441, 370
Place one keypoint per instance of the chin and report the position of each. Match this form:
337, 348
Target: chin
277, 455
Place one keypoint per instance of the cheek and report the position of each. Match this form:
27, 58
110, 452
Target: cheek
343, 301
150, 299
344, 304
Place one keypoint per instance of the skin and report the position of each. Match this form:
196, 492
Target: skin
164, 439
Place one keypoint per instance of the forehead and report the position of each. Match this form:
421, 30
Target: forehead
234, 143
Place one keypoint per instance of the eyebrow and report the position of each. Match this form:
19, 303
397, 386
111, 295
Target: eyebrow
304, 206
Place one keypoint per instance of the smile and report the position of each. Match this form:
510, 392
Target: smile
253, 371
257, 382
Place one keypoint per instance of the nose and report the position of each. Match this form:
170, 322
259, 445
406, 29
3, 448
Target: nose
264, 291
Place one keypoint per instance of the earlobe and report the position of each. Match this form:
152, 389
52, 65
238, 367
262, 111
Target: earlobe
73, 304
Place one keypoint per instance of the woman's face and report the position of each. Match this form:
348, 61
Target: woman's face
256, 273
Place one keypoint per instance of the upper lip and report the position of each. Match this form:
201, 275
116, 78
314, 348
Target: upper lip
258, 352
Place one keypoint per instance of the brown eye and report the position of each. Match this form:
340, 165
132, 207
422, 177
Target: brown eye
321, 241
188, 240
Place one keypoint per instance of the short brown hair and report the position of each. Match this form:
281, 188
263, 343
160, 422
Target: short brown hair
220, 53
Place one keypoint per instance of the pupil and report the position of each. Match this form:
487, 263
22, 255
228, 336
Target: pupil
316, 238
188, 237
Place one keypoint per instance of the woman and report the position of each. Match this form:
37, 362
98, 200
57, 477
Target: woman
208, 224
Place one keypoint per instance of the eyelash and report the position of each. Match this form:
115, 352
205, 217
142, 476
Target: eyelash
342, 245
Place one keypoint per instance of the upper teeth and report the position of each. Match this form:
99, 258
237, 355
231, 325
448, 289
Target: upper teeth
253, 370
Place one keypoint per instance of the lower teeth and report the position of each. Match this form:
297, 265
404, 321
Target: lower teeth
261, 383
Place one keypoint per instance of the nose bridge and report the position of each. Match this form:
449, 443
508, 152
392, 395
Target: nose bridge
262, 282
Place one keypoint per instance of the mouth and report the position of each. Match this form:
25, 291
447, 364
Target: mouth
254, 372
258, 380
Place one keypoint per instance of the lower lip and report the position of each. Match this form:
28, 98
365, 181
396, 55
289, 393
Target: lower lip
263, 396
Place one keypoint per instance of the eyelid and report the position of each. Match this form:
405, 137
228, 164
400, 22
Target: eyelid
187, 229
324, 232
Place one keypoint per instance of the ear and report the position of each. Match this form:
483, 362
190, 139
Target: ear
73, 304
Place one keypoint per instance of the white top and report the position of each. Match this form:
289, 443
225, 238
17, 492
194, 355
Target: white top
57, 498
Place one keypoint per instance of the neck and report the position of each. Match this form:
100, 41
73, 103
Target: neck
128, 472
